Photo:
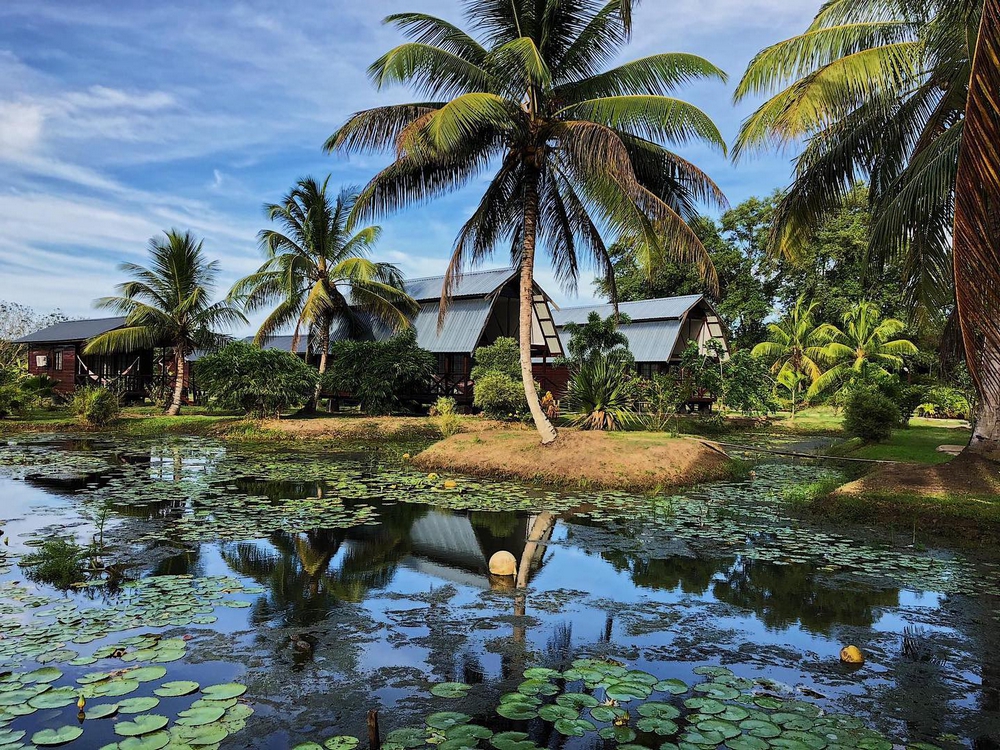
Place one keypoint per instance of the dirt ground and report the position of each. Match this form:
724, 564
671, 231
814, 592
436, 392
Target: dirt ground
965, 475
350, 427
630, 461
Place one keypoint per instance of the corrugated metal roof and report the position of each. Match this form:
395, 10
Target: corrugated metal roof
72, 330
471, 284
282, 343
648, 340
667, 308
462, 328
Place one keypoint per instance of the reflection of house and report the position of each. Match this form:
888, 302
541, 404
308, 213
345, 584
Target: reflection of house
57, 351
658, 329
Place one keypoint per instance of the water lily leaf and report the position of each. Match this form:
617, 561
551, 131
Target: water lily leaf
200, 715
727, 729
711, 671
620, 735
176, 688
467, 731
574, 727
767, 701
705, 705
517, 711
451, 690
541, 673
579, 701
140, 725
154, 741
101, 710
55, 698
874, 743
447, 719
537, 687
553, 713
408, 737
60, 736
663, 727
659, 710
224, 691
717, 691
672, 686
45, 674
760, 728
146, 674
512, 741
10, 736
211, 734
19, 697
137, 705
605, 713
746, 742
308, 746
116, 688
734, 714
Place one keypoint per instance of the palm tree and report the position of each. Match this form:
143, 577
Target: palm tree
576, 148
168, 304
318, 273
867, 346
895, 91
794, 347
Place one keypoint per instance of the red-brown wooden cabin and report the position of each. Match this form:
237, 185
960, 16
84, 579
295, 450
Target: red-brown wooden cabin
57, 351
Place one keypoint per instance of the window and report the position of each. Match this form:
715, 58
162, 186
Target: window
59, 359
458, 364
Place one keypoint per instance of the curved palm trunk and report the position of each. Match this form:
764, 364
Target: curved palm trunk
527, 306
180, 364
324, 347
977, 232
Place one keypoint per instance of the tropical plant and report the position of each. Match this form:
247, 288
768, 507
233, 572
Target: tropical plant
901, 92
446, 416
869, 414
257, 382
600, 395
597, 338
497, 375
794, 346
317, 273
168, 304
747, 386
96, 405
577, 148
867, 346
380, 374
13, 399
502, 356
661, 397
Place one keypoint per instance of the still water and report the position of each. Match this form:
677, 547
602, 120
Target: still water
332, 584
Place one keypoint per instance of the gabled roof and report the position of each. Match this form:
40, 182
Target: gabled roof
666, 308
72, 331
471, 284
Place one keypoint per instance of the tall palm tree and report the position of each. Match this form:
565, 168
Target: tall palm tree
794, 347
318, 273
867, 345
881, 89
574, 148
168, 304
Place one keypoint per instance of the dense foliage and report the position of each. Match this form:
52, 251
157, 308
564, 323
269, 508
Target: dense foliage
379, 374
496, 373
597, 338
500, 357
869, 414
741, 382
96, 405
257, 382
601, 395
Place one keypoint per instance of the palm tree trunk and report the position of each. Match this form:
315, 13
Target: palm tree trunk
324, 346
175, 404
527, 306
977, 232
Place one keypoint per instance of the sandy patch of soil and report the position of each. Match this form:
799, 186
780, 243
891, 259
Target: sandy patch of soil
630, 461
965, 475
349, 427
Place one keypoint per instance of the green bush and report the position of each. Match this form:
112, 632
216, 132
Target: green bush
660, 397
257, 382
869, 414
907, 397
448, 421
601, 395
502, 356
96, 405
500, 396
57, 562
598, 338
747, 385
944, 402
379, 373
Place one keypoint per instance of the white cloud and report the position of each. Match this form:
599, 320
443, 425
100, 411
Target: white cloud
20, 128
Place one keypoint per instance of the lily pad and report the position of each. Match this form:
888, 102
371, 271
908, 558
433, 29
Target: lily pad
146, 674
341, 742
200, 715
512, 741
101, 710
662, 727
140, 725
52, 737
450, 690
447, 719
176, 688
224, 691
137, 705
43, 675
517, 711
408, 737
154, 741
574, 727
55, 698
553, 713
672, 686
579, 701
620, 735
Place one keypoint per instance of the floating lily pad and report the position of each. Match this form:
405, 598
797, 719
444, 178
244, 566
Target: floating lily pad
553, 713
727, 729
176, 688
450, 690
101, 710
224, 691
52, 737
746, 742
55, 698
140, 725
45, 674
662, 727
659, 710
541, 673
154, 741
672, 686
517, 711
606, 713
579, 701
408, 737
447, 719
146, 674
620, 735
512, 741
137, 705
342, 742
200, 715
574, 727
760, 728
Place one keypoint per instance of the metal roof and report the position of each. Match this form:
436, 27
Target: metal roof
463, 325
471, 284
72, 330
666, 308
648, 340
283, 343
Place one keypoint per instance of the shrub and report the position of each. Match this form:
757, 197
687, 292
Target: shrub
869, 414
747, 386
907, 397
12, 397
601, 395
448, 421
597, 338
500, 396
379, 373
661, 397
502, 356
96, 405
944, 402
257, 382
57, 562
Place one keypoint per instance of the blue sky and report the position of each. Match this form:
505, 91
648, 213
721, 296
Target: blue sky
118, 120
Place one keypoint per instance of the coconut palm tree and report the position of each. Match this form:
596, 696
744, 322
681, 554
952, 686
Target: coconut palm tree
866, 346
318, 273
574, 147
793, 347
168, 304
881, 89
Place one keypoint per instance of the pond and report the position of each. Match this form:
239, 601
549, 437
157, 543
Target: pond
264, 597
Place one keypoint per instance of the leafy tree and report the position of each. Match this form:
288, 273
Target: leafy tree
747, 386
598, 338
168, 304
866, 346
318, 272
895, 91
502, 356
578, 148
794, 349
18, 320
496, 373
257, 382
379, 373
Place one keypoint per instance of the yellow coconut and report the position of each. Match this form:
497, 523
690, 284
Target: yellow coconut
503, 564
852, 655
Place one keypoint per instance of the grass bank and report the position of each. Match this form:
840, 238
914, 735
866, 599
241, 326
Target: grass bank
617, 460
